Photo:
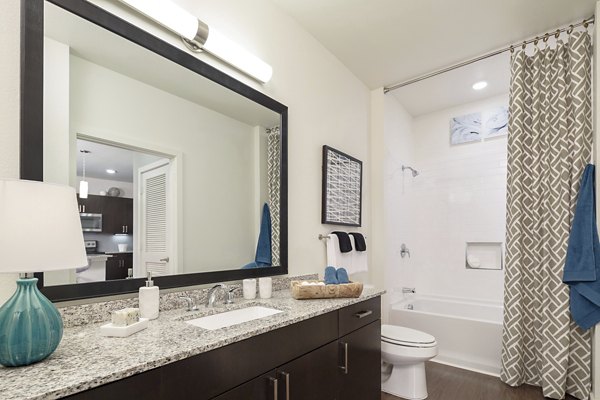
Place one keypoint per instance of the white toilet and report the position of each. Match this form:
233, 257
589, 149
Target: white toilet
403, 354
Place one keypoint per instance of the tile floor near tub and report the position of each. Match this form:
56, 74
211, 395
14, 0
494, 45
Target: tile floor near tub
449, 383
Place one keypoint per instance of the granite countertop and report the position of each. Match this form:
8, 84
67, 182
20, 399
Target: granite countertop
84, 359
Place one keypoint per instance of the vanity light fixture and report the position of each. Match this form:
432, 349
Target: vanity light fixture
30, 325
83, 184
480, 85
111, 171
198, 36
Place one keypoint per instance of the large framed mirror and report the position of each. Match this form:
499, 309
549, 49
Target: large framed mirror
180, 169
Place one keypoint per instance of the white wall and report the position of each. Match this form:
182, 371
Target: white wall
96, 185
459, 196
327, 105
218, 209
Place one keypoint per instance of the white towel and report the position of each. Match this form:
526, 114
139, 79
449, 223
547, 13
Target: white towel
359, 259
335, 258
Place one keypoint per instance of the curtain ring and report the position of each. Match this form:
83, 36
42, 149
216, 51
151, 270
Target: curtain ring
524, 45
585, 23
536, 40
546, 36
512, 48
557, 34
570, 30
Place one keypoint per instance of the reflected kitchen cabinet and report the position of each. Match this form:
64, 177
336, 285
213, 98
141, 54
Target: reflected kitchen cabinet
92, 204
117, 216
117, 265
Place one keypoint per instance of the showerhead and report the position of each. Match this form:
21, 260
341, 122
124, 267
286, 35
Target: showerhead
413, 171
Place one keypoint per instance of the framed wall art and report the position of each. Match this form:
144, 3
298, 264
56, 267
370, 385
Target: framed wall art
342, 188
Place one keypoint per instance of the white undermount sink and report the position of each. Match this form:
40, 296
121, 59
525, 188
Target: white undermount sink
235, 317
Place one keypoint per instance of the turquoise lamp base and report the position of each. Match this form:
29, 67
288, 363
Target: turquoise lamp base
30, 326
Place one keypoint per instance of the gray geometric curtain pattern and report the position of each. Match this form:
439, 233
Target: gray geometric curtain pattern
549, 144
274, 187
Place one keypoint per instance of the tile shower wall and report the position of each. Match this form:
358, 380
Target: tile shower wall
458, 197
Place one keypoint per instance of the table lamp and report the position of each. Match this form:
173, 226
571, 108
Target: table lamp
40, 230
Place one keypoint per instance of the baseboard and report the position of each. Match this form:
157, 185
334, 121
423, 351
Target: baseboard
479, 371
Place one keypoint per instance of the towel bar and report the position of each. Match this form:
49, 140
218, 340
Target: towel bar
321, 236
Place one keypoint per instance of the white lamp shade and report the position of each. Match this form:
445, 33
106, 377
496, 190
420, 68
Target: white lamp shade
40, 229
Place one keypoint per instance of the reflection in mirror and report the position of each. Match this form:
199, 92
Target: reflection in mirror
183, 175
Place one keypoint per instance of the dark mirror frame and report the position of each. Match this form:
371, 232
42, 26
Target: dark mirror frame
32, 135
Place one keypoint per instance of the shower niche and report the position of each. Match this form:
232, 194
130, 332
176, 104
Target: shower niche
484, 255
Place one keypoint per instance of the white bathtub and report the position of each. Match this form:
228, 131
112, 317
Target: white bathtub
468, 333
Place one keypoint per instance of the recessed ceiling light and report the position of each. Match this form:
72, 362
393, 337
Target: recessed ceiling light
480, 85
111, 171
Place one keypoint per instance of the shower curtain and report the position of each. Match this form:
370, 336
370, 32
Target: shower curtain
274, 187
549, 144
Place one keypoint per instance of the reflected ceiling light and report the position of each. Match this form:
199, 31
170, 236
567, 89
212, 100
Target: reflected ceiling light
480, 85
198, 36
83, 184
111, 171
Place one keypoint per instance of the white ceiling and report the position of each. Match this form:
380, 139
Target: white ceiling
104, 48
388, 41
103, 157
456, 87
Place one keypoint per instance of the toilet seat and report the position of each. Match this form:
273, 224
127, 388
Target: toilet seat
401, 336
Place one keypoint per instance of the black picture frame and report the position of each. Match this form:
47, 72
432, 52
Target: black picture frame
341, 207
32, 136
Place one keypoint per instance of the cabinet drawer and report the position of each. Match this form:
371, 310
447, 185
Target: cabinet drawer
358, 315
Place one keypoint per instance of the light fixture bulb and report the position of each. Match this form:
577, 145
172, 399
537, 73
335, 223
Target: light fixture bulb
480, 85
83, 189
111, 171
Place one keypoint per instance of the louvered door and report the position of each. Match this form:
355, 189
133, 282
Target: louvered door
154, 219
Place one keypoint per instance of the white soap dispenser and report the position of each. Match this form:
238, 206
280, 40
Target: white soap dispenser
149, 299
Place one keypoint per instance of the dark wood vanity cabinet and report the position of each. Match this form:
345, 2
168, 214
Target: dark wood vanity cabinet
334, 356
117, 216
118, 264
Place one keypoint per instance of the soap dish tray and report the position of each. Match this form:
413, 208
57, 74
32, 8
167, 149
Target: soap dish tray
123, 331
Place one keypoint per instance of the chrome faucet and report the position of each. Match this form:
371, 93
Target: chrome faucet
230, 294
211, 297
404, 251
191, 303
408, 290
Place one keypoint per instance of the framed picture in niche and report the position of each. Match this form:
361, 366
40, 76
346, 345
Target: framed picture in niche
342, 188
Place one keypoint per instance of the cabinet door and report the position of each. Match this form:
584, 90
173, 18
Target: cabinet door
117, 215
313, 376
360, 356
115, 268
262, 388
128, 215
92, 204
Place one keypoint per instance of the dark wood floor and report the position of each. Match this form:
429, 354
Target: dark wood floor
449, 383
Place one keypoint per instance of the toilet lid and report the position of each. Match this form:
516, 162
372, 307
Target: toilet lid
406, 336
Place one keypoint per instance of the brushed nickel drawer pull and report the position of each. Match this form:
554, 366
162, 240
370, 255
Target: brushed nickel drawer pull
363, 314
286, 376
275, 387
345, 366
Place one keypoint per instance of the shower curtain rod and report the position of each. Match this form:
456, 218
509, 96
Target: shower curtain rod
543, 37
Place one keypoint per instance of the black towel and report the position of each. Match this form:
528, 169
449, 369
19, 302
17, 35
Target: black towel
344, 241
359, 241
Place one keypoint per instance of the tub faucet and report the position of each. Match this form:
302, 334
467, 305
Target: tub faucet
408, 290
211, 297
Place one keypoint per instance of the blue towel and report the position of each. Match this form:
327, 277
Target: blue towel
330, 277
342, 275
263, 247
582, 265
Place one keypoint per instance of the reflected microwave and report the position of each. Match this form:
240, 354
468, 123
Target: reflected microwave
91, 222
